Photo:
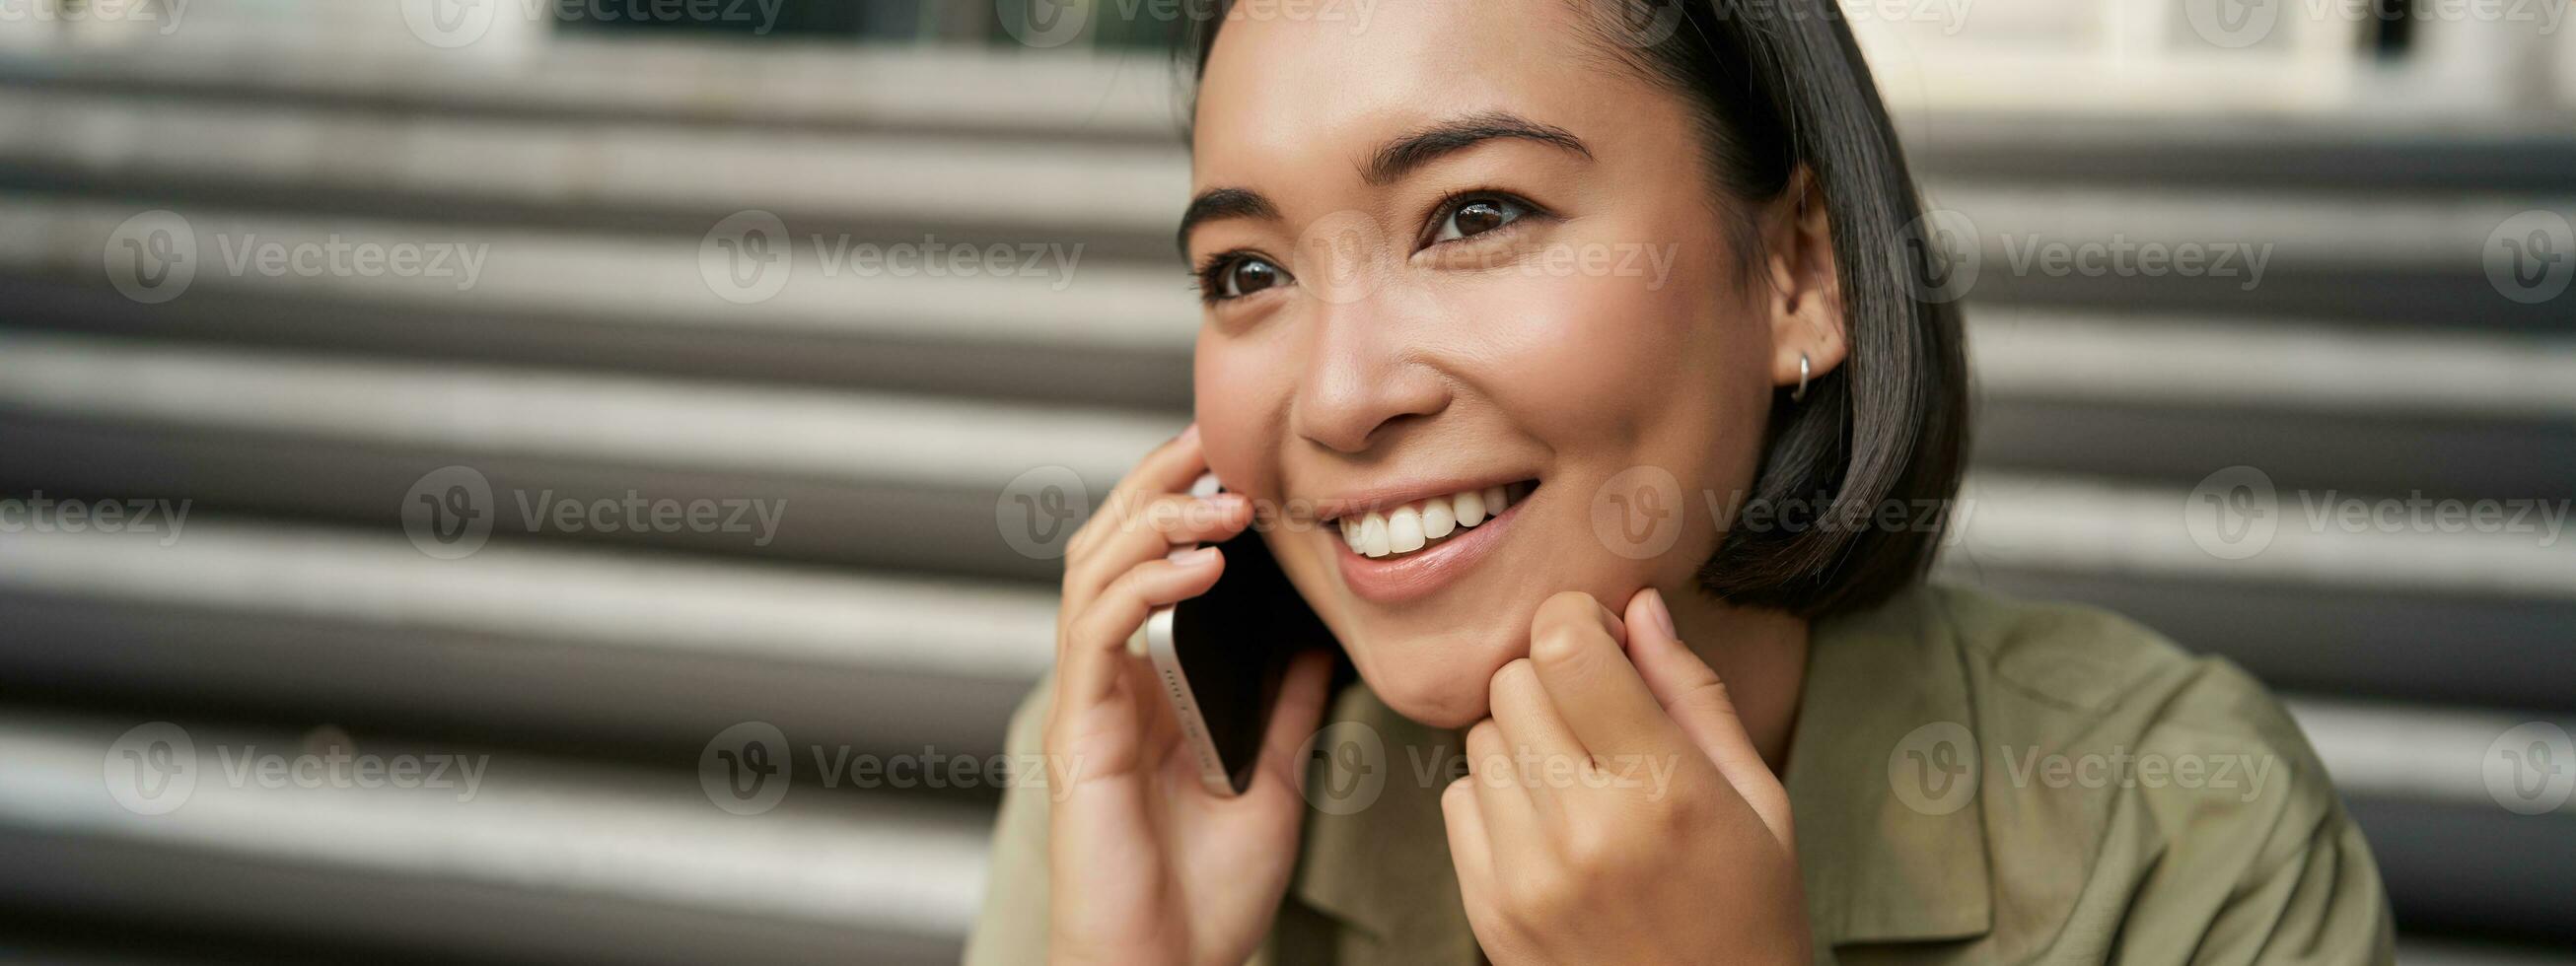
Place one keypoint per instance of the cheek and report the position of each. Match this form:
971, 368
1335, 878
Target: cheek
1607, 361
1239, 425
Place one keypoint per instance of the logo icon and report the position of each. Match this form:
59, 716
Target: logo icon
447, 513
1639, 23
1342, 257
152, 257
2233, 513
2531, 769
449, 24
1941, 255
2233, 24
1043, 23
1637, 514
1345, 767
1933, 770
152, 768
745, 769
2531, 256
1039, 511
747, 257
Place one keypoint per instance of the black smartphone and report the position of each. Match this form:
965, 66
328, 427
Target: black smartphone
1219, 657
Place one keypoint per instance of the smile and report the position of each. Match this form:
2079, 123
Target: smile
1404, 552
1425, 523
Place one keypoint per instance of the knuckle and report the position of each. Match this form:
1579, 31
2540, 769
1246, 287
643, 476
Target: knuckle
1591, 850
1458, 797
1543, 896
1560, 645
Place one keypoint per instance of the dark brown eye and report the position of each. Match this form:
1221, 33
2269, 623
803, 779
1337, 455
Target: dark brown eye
1248, 275
1477, 217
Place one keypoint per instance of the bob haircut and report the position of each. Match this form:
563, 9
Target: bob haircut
1856, 480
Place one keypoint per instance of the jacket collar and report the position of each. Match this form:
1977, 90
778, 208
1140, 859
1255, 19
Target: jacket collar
1883, 686
1876, 869
1376, 855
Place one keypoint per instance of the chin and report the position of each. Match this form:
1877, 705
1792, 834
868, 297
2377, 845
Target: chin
1433, 683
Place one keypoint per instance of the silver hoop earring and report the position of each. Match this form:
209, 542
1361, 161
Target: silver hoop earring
1800, 394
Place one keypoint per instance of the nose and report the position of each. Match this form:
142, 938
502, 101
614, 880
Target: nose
1362, 379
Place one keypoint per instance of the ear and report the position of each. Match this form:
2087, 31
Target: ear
1806, 298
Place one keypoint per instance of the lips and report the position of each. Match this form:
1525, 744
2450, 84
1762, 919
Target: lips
1407, 550
1411, 527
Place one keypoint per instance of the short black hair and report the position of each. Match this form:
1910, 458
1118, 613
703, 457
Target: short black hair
1780, 86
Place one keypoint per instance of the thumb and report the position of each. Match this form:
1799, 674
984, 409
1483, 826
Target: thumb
1692, 694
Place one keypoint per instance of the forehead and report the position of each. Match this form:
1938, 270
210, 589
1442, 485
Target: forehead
1290, 84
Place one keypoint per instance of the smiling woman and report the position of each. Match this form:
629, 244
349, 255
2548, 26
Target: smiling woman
1581, 330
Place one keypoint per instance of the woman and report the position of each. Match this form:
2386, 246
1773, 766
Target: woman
1628, 294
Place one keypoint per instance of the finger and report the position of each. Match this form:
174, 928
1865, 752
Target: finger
1169, 468
1098, 640
1151, 531
1471, 850
1576, 645
1532, 731
1293, 720
1696, 699
1510, 820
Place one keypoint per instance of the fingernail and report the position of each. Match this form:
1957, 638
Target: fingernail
1190, 435
1195, 558
1662, 615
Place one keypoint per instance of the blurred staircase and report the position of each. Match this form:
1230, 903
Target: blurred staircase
594, 358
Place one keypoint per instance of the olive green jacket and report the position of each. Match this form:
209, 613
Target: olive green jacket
1974, 779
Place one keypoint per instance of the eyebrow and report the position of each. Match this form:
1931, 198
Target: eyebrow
1391, 162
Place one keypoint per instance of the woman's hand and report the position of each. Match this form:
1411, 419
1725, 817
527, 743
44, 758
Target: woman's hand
1146, 865
1615, 811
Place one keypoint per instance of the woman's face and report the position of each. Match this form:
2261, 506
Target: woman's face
1461, 248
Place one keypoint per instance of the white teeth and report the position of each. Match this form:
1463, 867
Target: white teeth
1373, 542
1470, 508
1414, 526
1404, 530
1439, 517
